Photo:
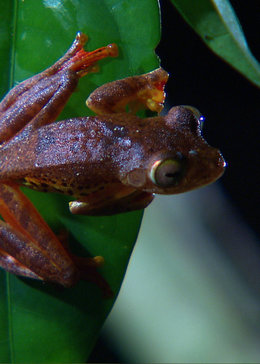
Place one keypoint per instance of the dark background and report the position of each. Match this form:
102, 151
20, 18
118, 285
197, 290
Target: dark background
229, 102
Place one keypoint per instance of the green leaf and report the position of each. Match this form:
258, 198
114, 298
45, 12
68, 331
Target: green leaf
217, 25
40, 322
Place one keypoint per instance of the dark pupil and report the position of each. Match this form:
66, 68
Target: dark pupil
171, 175
167, 173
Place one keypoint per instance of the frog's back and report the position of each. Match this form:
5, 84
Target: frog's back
70, 154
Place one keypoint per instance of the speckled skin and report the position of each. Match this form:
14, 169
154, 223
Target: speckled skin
78, 155
108, 162
28, 247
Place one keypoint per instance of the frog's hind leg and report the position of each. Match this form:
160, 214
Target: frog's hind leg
28, 247
12, 265
39, 100
144, 91
29, 241
74, 53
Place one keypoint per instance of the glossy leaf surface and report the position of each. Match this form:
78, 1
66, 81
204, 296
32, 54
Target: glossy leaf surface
217, 25
40, 322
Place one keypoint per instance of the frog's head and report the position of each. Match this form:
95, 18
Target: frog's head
184, 160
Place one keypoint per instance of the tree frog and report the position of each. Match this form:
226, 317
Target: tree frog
110, 163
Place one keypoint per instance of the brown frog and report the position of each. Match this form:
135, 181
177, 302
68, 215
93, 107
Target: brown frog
112, 162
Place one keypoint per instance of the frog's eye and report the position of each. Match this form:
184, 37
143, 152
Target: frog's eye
167, 172
196, 113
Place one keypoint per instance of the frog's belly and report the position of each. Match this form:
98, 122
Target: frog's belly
44, 185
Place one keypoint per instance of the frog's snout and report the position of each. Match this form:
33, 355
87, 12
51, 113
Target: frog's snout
205, 167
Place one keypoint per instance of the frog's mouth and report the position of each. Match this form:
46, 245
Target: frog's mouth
205, 169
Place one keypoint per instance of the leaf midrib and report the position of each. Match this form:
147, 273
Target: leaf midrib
14, 10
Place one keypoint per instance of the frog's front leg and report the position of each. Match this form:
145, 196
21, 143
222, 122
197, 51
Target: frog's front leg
40, 99
112, 199
28, 247
143, 91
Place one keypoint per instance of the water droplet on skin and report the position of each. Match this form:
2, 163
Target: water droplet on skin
127, 142
92, 133
119, 128
201, 120
193, 152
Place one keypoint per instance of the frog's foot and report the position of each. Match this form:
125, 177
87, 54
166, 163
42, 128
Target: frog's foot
83, 62
88, 272
87, 266
144, 91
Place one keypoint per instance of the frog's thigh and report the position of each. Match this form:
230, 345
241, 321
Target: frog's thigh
12, 265
15, 252
26, 238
